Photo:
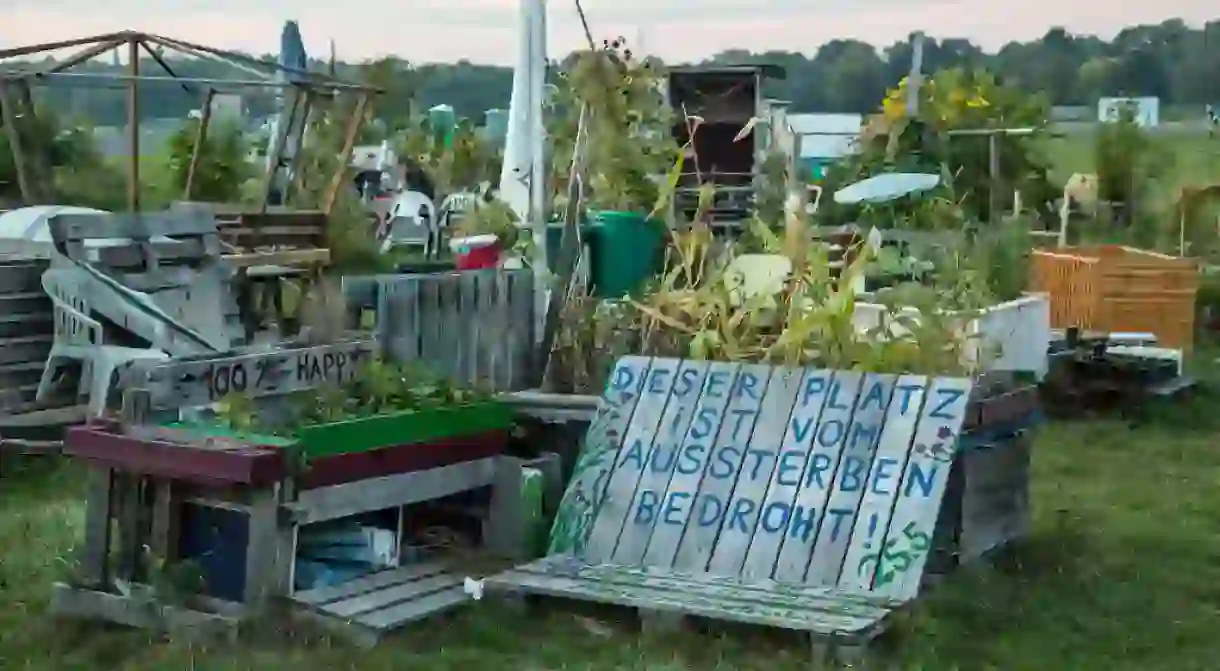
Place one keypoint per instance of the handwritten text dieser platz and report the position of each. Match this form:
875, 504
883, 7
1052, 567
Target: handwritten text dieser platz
809, 457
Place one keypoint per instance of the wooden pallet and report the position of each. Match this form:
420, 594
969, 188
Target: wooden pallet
665, 598
366, 609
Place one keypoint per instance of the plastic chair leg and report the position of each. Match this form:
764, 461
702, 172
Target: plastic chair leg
99, 387
48, 376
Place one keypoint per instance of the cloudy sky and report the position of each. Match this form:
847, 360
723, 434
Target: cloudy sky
483, 30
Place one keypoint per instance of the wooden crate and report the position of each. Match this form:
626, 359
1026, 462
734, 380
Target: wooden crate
1113, 288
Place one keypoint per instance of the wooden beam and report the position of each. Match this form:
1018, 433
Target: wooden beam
133, 125
81, 56
17, 52
345, 155
282, 128
8, 113
201, 138
294, 169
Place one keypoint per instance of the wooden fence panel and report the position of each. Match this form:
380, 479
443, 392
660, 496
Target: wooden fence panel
473, 326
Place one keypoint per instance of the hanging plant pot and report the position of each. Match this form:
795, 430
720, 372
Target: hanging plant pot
476, 252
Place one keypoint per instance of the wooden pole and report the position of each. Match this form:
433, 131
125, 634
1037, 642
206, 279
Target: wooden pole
8, 113
133, 125
82, 56
276, 159
201, 138
993, 166
345, 155
53, 46
569, 251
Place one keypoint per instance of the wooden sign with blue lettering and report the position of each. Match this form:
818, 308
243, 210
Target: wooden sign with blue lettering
765, 473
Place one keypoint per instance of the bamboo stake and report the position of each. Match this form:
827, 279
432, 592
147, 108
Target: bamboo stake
201, 138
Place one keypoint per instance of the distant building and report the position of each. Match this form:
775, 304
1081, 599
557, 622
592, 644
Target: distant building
825, 138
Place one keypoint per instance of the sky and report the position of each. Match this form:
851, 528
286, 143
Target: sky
484, 31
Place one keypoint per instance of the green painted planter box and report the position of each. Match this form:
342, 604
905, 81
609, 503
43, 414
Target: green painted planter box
362, 434
370, 433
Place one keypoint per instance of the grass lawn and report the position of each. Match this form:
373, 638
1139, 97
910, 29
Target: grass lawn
1122, 572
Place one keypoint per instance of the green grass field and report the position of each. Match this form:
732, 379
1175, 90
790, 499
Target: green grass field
1122, 572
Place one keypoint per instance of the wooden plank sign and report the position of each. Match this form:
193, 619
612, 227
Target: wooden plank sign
802, 476
190, 383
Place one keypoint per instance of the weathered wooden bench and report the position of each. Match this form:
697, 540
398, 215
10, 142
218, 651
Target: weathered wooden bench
800, 499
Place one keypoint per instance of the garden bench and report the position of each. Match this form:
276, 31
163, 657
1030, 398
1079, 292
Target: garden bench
800, 499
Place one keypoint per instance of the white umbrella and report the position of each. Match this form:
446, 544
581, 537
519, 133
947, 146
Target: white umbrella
886, 187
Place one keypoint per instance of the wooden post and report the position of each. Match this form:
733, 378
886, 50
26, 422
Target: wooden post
993, 165
8, 114
345, 156
569, 250
133, 125
201, 138
277, 148
297, 182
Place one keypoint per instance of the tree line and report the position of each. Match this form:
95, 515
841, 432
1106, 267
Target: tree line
1178, 63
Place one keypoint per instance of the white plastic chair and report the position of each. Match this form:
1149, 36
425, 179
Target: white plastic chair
411, 222
79, 337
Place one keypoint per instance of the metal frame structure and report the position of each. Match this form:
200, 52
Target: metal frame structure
302, 91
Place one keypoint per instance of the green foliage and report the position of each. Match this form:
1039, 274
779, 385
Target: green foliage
380, 387
222, 167
951, 100
628, 124
80, 174
350, 231
468, 162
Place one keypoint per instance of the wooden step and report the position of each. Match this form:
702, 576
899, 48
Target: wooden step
367, 608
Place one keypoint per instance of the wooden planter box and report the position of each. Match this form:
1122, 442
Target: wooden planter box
410, 427
1019, 331
334, 453
1119, 289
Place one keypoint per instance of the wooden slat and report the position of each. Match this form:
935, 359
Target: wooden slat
521, 300
781, 594
657, 465
788, 478
923, 485
188, 383
725, 460
875, 509
699, 599
745, 516
625, 475
416, 608
809, 509
595, 463
391, 491
696, 450
863, 434
369, 583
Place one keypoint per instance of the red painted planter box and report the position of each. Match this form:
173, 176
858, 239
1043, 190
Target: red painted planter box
185, 455
176, 455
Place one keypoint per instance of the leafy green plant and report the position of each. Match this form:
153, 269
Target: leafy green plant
380, 387
628, 124
222, 167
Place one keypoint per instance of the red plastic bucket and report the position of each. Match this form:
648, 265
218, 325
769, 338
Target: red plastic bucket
480, 252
